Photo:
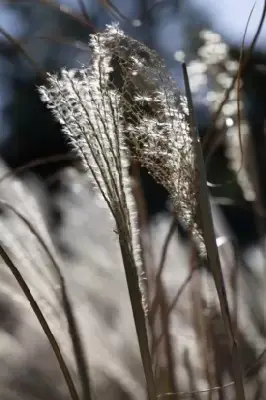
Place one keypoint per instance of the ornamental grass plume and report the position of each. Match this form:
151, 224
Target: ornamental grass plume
90, 113
106, 115
125, 105
127, 100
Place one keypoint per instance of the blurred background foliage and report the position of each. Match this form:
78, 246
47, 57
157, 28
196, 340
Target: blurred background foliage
45, 35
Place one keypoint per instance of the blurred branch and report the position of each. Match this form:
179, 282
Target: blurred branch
211, 134
18, 46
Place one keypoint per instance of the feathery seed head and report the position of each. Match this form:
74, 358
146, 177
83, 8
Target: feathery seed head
126, 100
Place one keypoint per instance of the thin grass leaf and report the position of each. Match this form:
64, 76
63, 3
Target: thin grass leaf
71, 319
36, 309
212, 251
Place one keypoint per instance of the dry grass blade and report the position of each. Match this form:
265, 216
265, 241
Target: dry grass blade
212, 251
140, 322
72, 323
36, 309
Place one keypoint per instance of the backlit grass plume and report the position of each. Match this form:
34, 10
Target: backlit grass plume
90, 113
126, 105
127, 97
156, 124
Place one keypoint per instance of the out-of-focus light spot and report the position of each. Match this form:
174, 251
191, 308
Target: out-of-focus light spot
64, 8
211, 96
210, 36
196, 67
213, 53
136, 23
224, 80
231, 65
179, 55
230, 108
221, 240
197, 82
229, 122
